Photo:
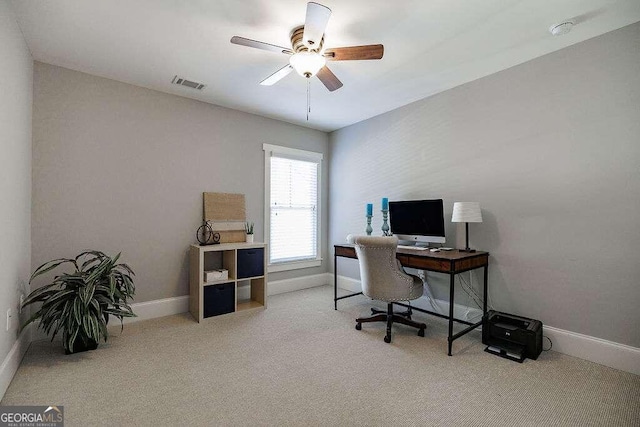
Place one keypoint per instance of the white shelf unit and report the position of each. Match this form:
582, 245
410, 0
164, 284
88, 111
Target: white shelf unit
226, 256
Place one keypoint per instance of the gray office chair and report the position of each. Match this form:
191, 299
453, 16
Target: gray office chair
384, 279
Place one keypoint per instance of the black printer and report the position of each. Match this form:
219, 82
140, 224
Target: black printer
511, 336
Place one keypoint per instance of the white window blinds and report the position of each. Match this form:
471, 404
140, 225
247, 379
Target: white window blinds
293, 209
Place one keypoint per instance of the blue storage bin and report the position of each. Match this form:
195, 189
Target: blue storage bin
219, 299
250, 262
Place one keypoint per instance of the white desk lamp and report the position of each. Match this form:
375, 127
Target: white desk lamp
466, 212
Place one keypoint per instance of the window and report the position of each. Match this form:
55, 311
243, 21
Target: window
292, 207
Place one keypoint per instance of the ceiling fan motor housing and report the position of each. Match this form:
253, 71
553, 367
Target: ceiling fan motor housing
297, 42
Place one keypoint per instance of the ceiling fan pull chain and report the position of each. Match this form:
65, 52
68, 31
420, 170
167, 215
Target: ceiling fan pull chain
308, 97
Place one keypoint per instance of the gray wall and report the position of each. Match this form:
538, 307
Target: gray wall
551, 150
122, 168
16, 92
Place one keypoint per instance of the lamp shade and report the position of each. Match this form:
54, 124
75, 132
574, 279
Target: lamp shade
466, 212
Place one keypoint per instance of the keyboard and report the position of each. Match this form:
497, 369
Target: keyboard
418, 248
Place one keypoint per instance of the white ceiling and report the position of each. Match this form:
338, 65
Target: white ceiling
430, 46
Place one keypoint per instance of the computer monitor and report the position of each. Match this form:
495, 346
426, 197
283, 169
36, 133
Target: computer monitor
419, 221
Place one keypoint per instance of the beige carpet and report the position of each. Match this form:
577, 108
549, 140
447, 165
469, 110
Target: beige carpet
301, 363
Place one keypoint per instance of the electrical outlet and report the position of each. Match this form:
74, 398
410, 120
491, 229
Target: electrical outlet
8, 319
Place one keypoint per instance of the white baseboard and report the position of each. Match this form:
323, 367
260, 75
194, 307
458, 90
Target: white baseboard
11, 363
607, 353
158, 308
276, 287
349, 284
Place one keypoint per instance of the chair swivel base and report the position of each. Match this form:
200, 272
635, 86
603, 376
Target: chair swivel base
390, 317
406, 314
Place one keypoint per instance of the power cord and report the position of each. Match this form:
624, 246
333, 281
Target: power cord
474, 296
467, 287
427, 291
471, 292
550, 343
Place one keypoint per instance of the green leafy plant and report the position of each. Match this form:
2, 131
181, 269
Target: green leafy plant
79, 303
248, 227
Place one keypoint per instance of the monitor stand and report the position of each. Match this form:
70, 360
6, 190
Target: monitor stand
408, 243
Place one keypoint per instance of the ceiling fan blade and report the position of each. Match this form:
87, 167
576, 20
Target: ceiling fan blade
315, 24
260, 45
329, 79
371, 51
275, 77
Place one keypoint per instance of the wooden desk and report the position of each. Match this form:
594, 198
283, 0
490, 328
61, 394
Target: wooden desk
446, 262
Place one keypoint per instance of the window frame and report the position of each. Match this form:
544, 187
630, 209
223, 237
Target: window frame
308, 156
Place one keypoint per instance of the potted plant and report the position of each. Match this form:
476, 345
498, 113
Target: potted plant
79, 303
248, 228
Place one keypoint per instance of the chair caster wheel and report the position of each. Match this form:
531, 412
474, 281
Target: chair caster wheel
420, 332
387, 339
359, 326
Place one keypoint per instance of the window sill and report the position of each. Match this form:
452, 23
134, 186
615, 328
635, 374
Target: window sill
294, 265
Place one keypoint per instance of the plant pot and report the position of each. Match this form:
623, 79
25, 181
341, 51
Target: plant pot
249, 238
79, 346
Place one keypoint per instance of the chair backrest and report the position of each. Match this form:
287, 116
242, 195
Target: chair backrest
381, 274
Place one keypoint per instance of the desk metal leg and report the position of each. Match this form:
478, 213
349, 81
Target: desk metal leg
335, 281
336, 298
452, 278
486, 296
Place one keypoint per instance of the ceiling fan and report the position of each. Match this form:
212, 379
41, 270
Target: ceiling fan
307, 54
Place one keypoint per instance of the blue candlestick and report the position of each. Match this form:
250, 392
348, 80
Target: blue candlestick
385, 204
385, 226
369, 230
369, 209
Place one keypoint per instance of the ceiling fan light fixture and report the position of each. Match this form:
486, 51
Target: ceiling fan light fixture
307, 64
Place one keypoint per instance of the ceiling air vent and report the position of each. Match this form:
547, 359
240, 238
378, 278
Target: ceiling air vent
188, 83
